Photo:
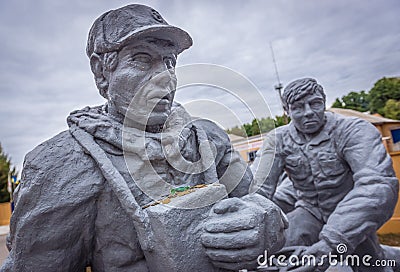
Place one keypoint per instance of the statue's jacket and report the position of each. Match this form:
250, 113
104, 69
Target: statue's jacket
68, 217
343, 176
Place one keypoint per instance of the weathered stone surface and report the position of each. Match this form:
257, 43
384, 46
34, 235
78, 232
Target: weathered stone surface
239, 230
81, 198
341, 181
177, 231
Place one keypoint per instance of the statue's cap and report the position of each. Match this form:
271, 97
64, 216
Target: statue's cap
115, 28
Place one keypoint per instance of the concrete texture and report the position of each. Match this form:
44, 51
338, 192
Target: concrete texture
80, 201
178, 230
343, 183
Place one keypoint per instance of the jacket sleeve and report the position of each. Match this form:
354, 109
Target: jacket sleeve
372, 200
268, 167
234, 173
52, 224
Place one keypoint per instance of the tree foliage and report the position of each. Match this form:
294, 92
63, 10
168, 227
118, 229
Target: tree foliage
257, 126
383, 90
392, 109
236, 130
5, 169
338, 103
281, 120
376, 100
358, 101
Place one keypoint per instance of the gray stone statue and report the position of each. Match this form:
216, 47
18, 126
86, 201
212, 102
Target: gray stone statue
340, 178
95, 195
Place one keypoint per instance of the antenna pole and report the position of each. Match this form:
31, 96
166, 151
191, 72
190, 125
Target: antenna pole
279, 86
276, 67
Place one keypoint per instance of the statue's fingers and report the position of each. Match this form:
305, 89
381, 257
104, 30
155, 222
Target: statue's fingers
240, 239
233, 224
300, 266
228, 205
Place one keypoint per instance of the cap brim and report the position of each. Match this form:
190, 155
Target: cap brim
180, 38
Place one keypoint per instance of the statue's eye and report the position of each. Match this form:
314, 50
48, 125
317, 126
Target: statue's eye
142, 61
142, 57
316, 104
296, 107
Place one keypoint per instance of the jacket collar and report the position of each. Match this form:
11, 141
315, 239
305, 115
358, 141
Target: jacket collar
322, 136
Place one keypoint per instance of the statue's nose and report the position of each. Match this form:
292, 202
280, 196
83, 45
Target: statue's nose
164, 75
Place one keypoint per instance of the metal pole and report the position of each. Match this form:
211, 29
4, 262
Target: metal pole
279, 86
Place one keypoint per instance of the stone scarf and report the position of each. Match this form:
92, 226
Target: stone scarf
141, 149
91, 125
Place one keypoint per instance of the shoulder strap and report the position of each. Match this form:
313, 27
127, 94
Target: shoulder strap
120, 188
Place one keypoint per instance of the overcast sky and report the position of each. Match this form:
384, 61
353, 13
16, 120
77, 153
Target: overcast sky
44, 72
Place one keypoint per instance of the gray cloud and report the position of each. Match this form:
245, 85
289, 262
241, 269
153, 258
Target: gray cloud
44, 73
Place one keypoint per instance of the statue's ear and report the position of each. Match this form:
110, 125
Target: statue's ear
96, 65
111, 61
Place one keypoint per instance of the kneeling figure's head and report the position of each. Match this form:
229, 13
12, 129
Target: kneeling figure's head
304, 100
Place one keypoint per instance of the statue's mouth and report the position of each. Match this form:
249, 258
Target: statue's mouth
163, 104
310, 122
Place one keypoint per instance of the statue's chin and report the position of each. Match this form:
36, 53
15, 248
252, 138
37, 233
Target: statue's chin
157, 119
154, 122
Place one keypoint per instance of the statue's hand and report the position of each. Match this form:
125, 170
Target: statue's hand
239, 230
314, 258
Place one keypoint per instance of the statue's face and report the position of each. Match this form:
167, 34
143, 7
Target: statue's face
308, 113
143, 84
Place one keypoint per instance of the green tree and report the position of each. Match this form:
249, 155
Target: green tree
338, 103
266, 124
281, 120
358, 101
258, 126
392, 109
255, 128
5, 169
383, 90
248, 129
236, 130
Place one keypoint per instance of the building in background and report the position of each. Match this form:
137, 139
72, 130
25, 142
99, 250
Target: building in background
247, 147
390, 129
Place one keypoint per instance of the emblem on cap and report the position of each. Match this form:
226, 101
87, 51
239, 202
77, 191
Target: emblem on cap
157, 16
